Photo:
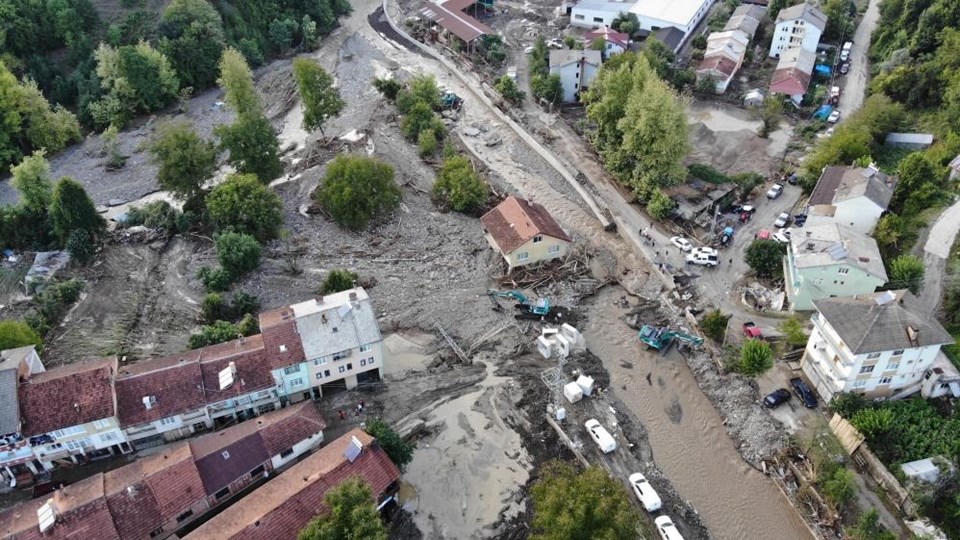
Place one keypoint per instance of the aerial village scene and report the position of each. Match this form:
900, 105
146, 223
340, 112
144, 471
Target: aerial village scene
479, 269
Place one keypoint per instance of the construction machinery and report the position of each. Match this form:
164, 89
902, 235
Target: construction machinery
540, 309
661, 338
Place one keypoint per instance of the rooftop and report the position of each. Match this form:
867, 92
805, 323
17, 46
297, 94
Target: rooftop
515, 221
679, 12
609, 35
829, 244
81, 512
807, 12
885, 321
458, 23
746, 19
282, 506
718, 62
923, 139
174, 383
838, 184
68, 396
670, 36
562, 57
793, 73
336, 322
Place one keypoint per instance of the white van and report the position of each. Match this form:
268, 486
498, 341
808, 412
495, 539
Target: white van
601, 436
666, 528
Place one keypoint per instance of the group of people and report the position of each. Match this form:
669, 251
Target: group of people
357, 411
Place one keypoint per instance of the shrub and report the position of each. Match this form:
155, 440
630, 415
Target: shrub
79, 246
714, 325
907, 271
508, 89
338, 280
248, 325
244, 205
214, 308
358, 189
244, 304
15, 334
459, 187
388, 87
238, 253
155, 215
660, 205
755, 357
427, 144
215, 279
841, 488
765, 257
218, 332
792, 330
399, 450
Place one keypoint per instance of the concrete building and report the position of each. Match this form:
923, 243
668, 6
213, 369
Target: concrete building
829, 260
524, 233
597, 13
793, 74
16, 455
285, 504
576, 69
684, 15
851, 196
941, 379
798, 26
726, 50
878, 344
913, 141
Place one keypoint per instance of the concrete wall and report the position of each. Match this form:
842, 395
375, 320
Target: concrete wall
299, 449
594, 18
537, 252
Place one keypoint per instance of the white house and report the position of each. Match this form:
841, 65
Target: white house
878, 344
941, 379
613, 42
798, 26
793, 74
577, 69
684, 15
597, 13
851, 196
830, 260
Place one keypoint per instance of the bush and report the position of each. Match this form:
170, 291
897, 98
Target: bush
714, 325
242, 204
755, 357
399, 450
868, 528
459, 187
841, 488
907, 271
660, 205
388, 87
215, 280
238, 253
358, 189
707, 173
155, 215
80, 247
765, 257
68, 292
214, 308
338, 280
508, 89
792, 329
699, 42
427, 144
248, 325
15, 334
244, 304
218, 332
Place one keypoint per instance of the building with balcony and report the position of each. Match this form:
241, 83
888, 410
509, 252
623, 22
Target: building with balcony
799, 26
830, 260
16, 455
881, 345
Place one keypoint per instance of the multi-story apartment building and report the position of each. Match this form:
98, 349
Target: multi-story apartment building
799, 26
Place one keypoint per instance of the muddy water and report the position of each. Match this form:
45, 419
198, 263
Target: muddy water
690, 444
406, 351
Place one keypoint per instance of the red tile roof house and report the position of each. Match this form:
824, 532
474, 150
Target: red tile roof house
70, 413
284, 505
524, 233
793, 74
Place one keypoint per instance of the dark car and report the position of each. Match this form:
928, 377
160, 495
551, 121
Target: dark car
803, 392
845, 68
800, 220
776, 398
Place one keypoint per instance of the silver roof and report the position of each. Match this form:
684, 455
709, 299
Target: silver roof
336, 323
830, 244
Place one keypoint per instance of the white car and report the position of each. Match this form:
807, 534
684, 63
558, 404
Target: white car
834, 117
601, 436
645, 492
528, 50
705, 251
775, 191
782, 220
666, 528
703, 259
782, 237
681, 243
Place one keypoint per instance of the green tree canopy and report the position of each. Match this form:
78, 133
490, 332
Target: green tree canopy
184, 160
459, 187
137, 79
765, 257
71, 209
868, 528
238, 253
192, 38
660, 205
755, 357
15, 334
916, 174
253, 146
243, 204
907, 271
236, 79
352, 516
792, 329
507, 87
399, 450
714, 325
32, 179
547, 87
358, 189
338, 280
589, 504
321, 100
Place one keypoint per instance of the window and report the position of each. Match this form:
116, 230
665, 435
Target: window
898, 352
349, 367
101, 424
522, 256
258, 471
184, 516
867, 369
319, 375
578, 17
169, 421
598, 19
156, 532
291, 369
66, 432
363, 361
341, 355
873, 355
297, 382
843, 271
859, 384
893, 366
885, 380
537, 239
75, 446
222, 493
286, 452
342, 369
326, 373
369, 361
553, 249
320, 361
365, 348
109, 436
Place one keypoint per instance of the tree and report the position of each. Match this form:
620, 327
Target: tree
459, 187
539, 58
660, 205
765, 257
906, 272
755, 357
253, 146
839, 19
15, 334
508, 89
32, 179
872, 422
238, 253
338, 280
399, 450
570, 42
71, 209
626, 22
218, 332
589, 504
357, 189
417, 120
770, 113
137, 79
840, 488
598, 44
192, 38
353, 515
868, 528
184, 160
915, 171
243, 204
282, 31
660, 58
10, 117
547, 87
714, 325
427, 143
50, 129
388, 87
792, 330
321, 101
422, 89
236, 79
79, 246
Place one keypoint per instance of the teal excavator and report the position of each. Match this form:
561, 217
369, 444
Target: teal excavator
661, 338
532, 310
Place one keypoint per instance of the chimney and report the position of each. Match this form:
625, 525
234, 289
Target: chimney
318, 299
353, 296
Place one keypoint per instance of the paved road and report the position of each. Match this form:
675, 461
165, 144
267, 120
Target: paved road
854, 83
936, 252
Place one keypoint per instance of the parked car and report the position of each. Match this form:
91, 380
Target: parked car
845, 68
800, 220
703, 259
528, 50
775, 191
793, 179
776, 398
741, 208
751, 330
781, 238
682, 243
705, 251
555, 43
763, 234
645, 492
666, 528
804, 392
834, 117
782, 220
601, 436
